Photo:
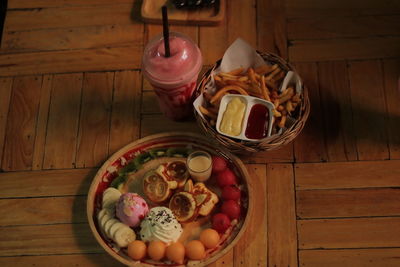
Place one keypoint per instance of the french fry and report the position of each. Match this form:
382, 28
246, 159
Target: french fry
207, 113
236, 72
252, 76
225, 75
264, 89
276, 113
252, 93
243, 78
285, 98
289, 106
217, 78
274, 94
280, 108
296, 98
286, 91
224, 90
276, 103
282, 122
244, 85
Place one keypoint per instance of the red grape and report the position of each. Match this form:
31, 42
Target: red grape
226, 177
231, 208
218, 164
231, 192
221, 222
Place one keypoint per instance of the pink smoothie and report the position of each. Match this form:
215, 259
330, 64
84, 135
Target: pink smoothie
173, 78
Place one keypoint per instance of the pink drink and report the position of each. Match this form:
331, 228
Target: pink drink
173, 78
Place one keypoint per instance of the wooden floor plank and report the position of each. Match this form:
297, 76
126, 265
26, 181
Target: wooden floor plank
348, 203
46, 183
252, 248
392, 93
284, 154
72, 38
336, 105
369, 109
47, 239
282, 236
87, 260
41, 127
346, 27
356, 8
157, 123
66, 17
5, 92
347, 175
21, 124
241, 18
14, 4
101, 59
94, 123
387, 257
271, 27
43, 210
63, 122
309, 146
213, 42
125, 117
150, 103
349, 233
339, 49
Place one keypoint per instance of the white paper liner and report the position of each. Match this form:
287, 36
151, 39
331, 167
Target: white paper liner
241, 55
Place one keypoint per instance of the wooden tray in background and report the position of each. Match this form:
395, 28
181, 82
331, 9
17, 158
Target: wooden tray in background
151, 12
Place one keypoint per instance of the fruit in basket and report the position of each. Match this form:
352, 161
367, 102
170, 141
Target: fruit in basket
231, 208
209, 237
131, 209
226, 177
175, 252
110, 197
230, 192
195, 250
221, 222
218, 164
156, 250
137, 250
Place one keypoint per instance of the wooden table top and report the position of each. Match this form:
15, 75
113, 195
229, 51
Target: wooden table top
72, 93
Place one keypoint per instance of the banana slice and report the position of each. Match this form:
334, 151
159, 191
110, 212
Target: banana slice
104, 220
114, 228
184, 207
108, 225
110, 197
123, 236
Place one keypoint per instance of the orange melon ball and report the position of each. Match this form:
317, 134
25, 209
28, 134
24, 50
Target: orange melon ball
156, 250
176, 252
209, 237
195, 250
137, 250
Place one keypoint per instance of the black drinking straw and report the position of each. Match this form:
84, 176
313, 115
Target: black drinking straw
165, 31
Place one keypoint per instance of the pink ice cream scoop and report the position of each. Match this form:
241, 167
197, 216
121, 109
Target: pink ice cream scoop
131, 209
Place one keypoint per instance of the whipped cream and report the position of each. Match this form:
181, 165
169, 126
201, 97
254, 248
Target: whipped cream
160, 224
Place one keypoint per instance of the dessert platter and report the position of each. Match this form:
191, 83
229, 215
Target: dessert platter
170, 199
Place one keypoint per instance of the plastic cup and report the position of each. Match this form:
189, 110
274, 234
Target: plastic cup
173, 78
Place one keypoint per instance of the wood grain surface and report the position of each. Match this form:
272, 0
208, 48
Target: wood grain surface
72, 93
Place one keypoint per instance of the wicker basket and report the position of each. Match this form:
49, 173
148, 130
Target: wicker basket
246, 147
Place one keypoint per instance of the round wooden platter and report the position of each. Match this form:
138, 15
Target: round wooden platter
109, 170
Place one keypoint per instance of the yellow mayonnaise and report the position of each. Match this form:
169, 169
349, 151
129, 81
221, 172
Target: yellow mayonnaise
231, 123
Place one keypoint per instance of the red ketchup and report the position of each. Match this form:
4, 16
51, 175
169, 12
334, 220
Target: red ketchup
257, 122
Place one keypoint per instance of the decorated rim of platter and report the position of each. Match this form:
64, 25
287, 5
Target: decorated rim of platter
109, 171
